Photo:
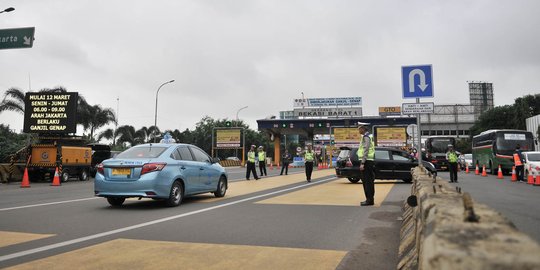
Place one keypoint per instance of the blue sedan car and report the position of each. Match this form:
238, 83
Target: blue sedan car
159, 171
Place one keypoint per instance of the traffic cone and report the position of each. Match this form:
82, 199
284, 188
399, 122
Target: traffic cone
476, 171
56, 179
537, 182
499, 173
530, 179
514, 176
25, 180
484, 173
319, 166
467, 168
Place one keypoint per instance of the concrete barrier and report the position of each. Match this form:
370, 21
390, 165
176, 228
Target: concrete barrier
448, 230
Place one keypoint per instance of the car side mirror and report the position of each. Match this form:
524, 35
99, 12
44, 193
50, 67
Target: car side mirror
215, 160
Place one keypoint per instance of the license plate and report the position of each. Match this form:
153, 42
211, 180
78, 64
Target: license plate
121, 171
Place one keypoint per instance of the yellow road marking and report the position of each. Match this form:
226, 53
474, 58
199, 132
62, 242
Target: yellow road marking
12, 238
245, 187
145, 254
339, 192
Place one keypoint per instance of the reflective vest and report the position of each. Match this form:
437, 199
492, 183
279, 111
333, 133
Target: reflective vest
517, 160
309, 156
452, 157
251, 156
371, 150
262, 156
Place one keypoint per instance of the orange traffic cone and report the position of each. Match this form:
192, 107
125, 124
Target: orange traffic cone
25, 180
467, 168
537, 182
56, 179
476, 171
530, 179
271, 166
499, 173
484, 173
514, 176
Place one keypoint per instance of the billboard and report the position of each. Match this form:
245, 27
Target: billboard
228, 138
328, 112
385, 111
346, 136
391, 136
50, 112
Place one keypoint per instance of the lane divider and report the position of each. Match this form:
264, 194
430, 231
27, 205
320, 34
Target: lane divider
45, 204
146, 224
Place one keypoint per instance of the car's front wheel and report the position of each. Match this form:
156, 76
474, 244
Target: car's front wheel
116, 201
176, 195
354, 179
83, 176
221, 187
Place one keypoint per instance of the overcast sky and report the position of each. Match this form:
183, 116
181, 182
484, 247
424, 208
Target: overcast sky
225, 55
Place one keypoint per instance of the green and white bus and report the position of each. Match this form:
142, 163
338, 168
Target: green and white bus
496, 147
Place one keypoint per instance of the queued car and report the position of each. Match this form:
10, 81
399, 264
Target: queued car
465, 160
532, 163
233, 158
167, 172
390, 164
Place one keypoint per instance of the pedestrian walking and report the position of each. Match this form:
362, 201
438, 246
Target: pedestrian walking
250, 166
452, 158
366, 155
262, 161
285, 159
518, 162
309, 158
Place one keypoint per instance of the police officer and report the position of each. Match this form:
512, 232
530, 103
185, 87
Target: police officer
366, 155
518, 162
452, 158
262, 160
250, 166
285, 162
309, 158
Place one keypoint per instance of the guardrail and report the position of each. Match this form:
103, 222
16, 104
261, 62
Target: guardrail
444, 228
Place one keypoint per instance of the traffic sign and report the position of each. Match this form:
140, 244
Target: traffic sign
415, 108
417, 81
411, 130
17, 38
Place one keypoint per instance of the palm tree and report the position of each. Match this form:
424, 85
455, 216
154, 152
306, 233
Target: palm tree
126, 134
13, 101
109, 134
95, 117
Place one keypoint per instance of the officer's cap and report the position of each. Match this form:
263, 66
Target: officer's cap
363, 124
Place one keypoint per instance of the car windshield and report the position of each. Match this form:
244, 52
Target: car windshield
533, 156
344, 154
468, 156
142, 152
440, 145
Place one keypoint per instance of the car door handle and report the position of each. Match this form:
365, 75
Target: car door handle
201, 169
183, 168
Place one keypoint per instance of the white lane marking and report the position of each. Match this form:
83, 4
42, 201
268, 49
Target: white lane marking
45, 204
145, 224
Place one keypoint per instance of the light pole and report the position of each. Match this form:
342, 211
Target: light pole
9, 9
155, 113
236, 124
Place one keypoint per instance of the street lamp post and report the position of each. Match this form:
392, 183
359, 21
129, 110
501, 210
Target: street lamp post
155, 113
9, 9
237, 114
236, 124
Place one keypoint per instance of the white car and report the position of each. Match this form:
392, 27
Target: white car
532, 163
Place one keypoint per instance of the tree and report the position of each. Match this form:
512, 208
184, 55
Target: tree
11, 142
95, 117
13, 101
500, 117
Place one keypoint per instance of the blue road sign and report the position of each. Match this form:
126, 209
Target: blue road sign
417, 81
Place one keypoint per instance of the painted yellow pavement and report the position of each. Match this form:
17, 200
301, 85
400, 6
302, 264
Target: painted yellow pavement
246, 187
339, 192
12, 238
144, 254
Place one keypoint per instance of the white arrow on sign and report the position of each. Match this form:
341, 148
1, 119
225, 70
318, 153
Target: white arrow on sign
422, 84
27, 40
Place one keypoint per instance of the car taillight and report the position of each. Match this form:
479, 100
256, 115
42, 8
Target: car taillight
99, 168
152, 167
538, 168
349, 163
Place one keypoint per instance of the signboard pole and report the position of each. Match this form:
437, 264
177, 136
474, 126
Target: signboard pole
419, 142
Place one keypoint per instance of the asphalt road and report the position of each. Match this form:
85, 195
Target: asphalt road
278, 222
519, 202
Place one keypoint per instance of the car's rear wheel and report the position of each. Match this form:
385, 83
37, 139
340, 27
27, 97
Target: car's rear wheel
354, 179
176, 195
65, 176
221, 187
116, 201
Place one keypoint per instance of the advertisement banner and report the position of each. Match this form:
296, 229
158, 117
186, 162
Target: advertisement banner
226, 138
346, 136
385, 111
50, 112
328, 112
391, 136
